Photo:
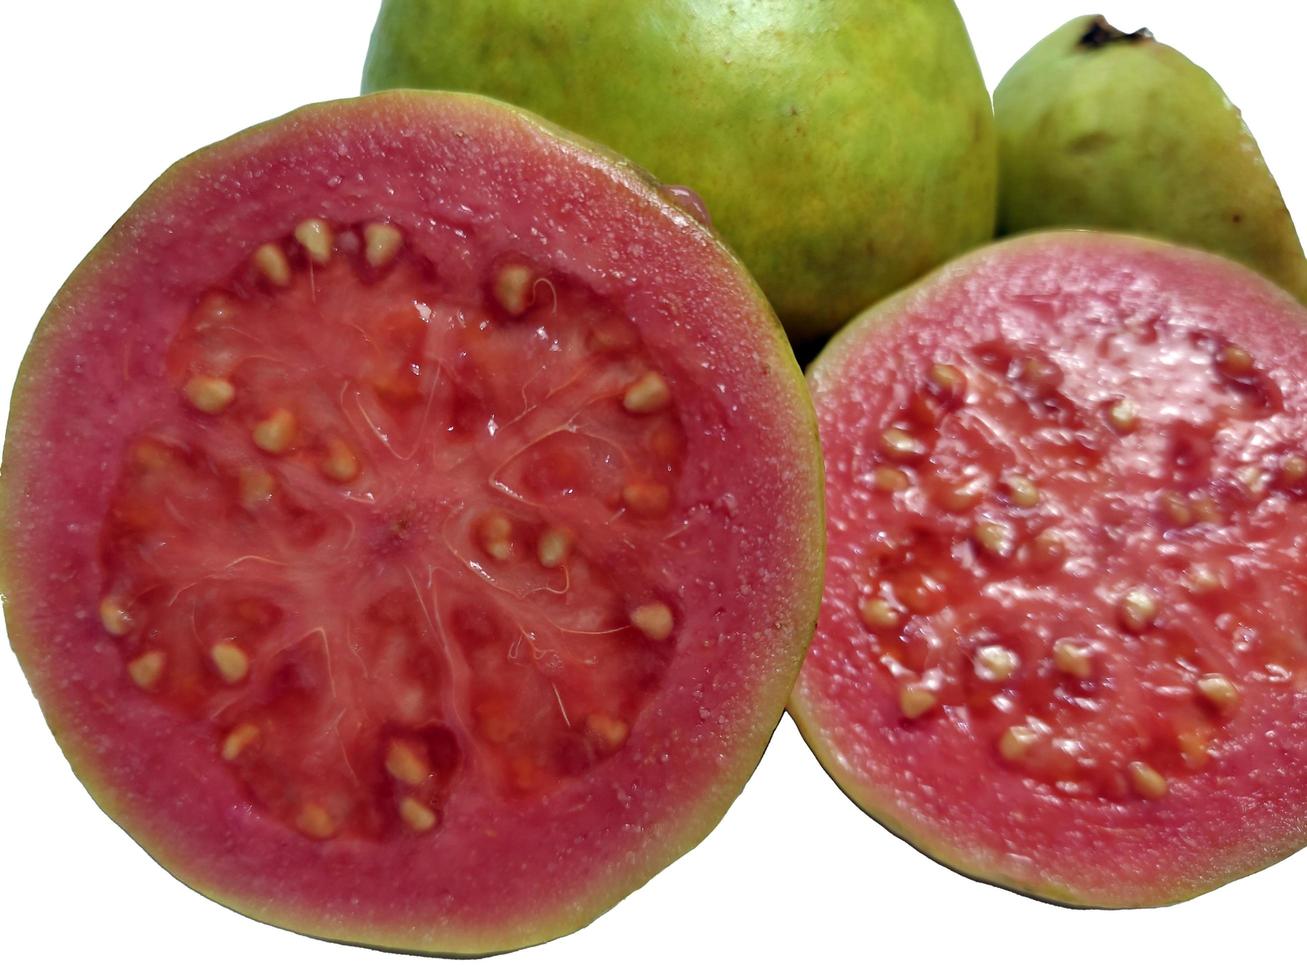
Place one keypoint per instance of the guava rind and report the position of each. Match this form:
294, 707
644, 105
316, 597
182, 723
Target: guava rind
100, 339
843, 149
1107, 860
1122, 132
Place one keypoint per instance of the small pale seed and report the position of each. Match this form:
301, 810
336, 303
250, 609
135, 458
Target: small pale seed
1123, 415
554, 547
1234, 362
901, 444
1206, 510
1202, 579
1048, 548
276, 432
610, 732
314, 821
404, 763
1293, 470
1254, 480
340, 463
995, 538
1218, 690
1147, 781
959, 497
238, 740
890, 479
915, 700
315, 237
114, 616
995, 663
1021, 490
271, 263
654, 620
381, 243
948, 381
1041, 375
513, 288
647, 394
146, 669
417, 814
1177, 509
1016, 741
256, 487
1073, 658
879, 615
1193, 746
1138, 610
209, 395
232, 662
647, 499
495, 535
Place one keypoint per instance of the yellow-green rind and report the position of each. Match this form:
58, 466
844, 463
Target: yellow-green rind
1133, 136
823, 375
696, 823
844, 148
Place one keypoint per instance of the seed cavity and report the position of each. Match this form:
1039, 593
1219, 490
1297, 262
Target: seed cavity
554, 547
1016, 741
1123, 416
1138, 610
995, 663
114, 617
901, 444
232, 663
995, 538
340, 463
381, 243
1219, 691
890, 479
647, 499
495, 535
513, 288
314, 821
417, 814
238, 740
276, 432
878, 614
405, 764
1021, 490
314, 236
916, 699
271, 263
1147, 781
647, 394
1073, 658
146, 669
209, 394
608, 731
654, 620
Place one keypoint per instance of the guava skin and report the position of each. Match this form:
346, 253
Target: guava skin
1101, 129
844, 148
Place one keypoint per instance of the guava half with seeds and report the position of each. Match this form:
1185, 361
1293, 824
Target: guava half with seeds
414, 524
843, 148
1061, 647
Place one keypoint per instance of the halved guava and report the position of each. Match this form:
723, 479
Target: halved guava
1063, 643
414, 524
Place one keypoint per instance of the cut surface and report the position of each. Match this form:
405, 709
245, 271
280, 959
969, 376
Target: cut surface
401, 553
1062, 645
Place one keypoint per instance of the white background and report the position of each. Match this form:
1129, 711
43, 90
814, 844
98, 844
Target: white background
99, 98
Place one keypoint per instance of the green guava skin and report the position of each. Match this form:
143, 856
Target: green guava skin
844, 147
1099, 129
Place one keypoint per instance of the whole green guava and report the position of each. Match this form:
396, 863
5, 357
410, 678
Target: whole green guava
843, 147
1103, 129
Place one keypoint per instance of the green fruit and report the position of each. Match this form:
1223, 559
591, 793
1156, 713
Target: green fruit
1103, 129
844, 148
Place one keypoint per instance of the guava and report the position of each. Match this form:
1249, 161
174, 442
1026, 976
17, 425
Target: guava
1103, 129
413, 524
843, 148
1061, 647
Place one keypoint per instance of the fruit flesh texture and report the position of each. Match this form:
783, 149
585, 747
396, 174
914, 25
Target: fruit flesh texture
1098, 129
313, 639
1061, 647
843, 149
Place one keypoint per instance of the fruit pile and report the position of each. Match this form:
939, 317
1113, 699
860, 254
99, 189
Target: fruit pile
454, 515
